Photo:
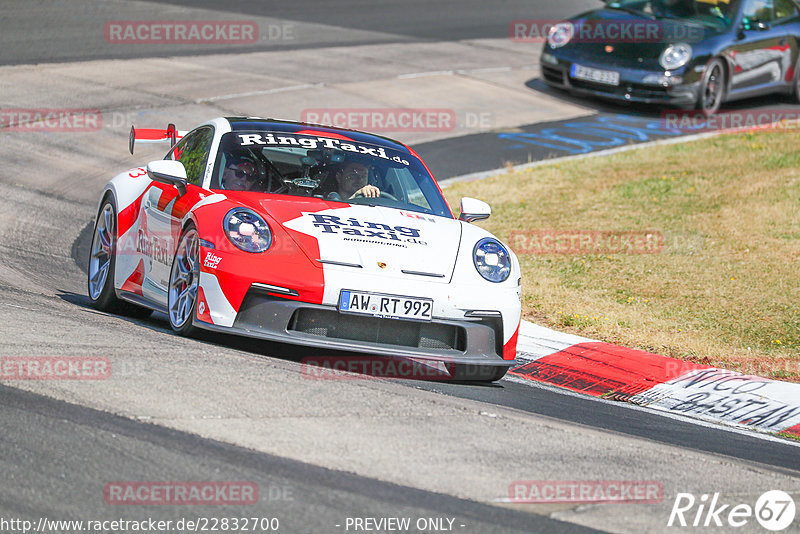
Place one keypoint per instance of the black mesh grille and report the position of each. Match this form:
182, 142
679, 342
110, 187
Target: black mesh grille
331, 324
552, 75
635, 90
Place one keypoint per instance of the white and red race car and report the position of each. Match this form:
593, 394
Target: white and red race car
310, 235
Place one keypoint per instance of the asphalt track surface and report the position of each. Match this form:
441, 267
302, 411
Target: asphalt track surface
57, 454
51, 31
613, 125
303, 498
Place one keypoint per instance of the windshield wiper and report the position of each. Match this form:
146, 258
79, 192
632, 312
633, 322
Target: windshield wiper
631, 11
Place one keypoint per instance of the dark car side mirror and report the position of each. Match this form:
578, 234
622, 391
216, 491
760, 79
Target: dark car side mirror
752, 25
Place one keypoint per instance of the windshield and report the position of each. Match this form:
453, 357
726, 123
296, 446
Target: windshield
339, 170
716, 13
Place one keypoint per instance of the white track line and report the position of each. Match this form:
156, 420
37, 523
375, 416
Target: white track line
259, 93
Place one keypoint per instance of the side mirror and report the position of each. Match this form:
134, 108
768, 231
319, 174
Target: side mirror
168, 172
752, 25
741, 29
473, 210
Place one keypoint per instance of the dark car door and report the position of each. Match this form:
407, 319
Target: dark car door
762, 54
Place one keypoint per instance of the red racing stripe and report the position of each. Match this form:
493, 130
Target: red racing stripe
127, 216
151, 134
134, 281
324, 134
603, 369
203, 313
510, 348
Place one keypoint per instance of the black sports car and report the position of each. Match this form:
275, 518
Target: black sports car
683, 53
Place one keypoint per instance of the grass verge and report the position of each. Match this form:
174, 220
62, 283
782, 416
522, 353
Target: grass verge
720, 285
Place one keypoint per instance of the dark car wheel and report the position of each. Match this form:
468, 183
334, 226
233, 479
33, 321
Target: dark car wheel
712, 88
184, 283
102, 260
796, 88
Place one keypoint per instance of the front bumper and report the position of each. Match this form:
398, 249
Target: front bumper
263, 315
631, 88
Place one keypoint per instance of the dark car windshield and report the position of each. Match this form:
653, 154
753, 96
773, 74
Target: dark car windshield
330, 168
719, 14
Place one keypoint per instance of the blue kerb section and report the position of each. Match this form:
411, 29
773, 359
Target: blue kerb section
595, 133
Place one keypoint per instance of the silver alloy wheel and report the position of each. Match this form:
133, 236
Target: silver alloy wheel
184, 279
102, 251
712, 92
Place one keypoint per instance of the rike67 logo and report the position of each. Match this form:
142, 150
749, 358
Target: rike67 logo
774, 510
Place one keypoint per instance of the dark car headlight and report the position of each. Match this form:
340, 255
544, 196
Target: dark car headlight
247, 230
492, 260
560, 34
675, 56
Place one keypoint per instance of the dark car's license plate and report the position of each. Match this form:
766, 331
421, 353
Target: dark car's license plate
608, 77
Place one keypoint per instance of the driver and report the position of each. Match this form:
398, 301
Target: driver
240, 175
351, 179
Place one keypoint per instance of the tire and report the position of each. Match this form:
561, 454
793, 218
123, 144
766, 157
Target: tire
102, 262
712, 88
184, 282
476, 373
796, 88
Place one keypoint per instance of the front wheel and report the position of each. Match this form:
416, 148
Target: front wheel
102, 262
184, 283
712, 88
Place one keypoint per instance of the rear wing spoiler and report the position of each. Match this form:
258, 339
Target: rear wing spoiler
154, 135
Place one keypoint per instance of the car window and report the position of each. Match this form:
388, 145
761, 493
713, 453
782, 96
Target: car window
192, 151
758, 11
328, 168
784, 9
718, 14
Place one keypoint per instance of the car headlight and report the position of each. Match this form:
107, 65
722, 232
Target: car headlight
675, 56
492, 260
247, 230
560, 34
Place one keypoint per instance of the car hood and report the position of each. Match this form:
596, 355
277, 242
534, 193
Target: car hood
373, 239
598, 30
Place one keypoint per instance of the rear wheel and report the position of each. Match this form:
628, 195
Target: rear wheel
102, 261
184, 283
712, 88
796, 88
